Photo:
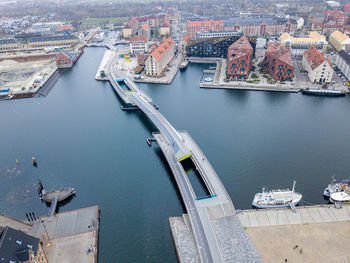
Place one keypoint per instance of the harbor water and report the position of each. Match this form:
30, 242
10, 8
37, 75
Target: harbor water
81, 138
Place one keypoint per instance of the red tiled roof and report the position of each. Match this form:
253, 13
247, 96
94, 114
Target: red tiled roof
186, 38
131, 23
138, 38
146, 27
163, 48
280, 53
65, 27
313, 57
240, 48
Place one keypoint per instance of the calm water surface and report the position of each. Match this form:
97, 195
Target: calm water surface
81, 138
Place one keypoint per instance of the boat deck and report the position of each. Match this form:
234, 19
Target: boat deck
60, 194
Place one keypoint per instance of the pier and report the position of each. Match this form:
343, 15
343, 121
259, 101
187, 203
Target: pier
213, 220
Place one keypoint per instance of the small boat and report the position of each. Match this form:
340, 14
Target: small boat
277, 198
343, 186
335, 92
183, 65
340, 197
61, 194
208, 79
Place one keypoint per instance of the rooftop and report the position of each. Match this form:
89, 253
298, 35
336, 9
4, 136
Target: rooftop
313, 57
15, 245
339, 36
52, 38
163, 48
239, 48
138, 38
281, 53
313, 37
206, 23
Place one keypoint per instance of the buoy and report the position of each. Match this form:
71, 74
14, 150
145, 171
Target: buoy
17, 161
34, 162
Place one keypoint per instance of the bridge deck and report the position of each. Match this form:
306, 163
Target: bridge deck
211, 218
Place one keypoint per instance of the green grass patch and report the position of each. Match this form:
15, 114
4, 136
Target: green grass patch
105, 20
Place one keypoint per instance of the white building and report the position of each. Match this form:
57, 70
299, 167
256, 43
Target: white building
298, 45
160, 57
138, 44
318, 68
343, 63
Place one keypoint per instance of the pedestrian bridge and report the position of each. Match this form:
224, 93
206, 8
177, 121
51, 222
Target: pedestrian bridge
212, 218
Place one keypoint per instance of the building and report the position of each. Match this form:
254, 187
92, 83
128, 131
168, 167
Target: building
16, 247
138, 44
64, 60
250, 26
196, 26
209, 34
343, 63
145, 30
9, 44
339, 41
278, 62
52, 41
239, 59
347, 7
298, 45
164, 29
130, 28
336, 16
213, 47
160, 57
318, 68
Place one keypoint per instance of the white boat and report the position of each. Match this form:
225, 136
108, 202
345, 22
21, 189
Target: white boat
340, 197
277, 198
343, 186
208, 79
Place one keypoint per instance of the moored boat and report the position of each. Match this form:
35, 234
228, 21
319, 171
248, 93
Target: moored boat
208, 79
183, 65
343, 186
323, 92
340, 197
277, 198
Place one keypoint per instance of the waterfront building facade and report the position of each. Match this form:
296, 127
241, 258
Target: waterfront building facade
52, 41
63, 60
138, 44
9, 44
278, 62
239, 59
339, 41
298, 45
342, 61
213, 47
318, 68
160, 57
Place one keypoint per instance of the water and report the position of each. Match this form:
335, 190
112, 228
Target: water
81, 138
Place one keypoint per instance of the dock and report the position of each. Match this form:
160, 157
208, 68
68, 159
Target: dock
318, 233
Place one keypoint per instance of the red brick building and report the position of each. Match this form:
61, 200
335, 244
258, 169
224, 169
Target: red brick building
195, 26
336, 16
63, 60
239, 59
278, 62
